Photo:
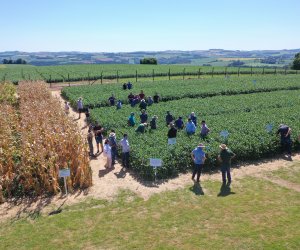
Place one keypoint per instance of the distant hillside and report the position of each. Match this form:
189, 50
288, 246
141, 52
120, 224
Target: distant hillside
212, 57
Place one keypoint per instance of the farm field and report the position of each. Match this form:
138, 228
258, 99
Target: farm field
98, 95
70, 73
253, 214
270, 100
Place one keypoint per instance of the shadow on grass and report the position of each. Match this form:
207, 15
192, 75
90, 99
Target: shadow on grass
225, 190
197, 189
105, 171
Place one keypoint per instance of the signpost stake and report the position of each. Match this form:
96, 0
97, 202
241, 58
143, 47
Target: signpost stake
65, 181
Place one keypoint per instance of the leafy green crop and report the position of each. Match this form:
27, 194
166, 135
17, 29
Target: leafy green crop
244, 116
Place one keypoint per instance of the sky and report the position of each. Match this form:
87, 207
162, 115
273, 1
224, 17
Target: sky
148, 25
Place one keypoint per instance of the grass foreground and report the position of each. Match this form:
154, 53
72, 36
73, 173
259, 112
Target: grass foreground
252, 214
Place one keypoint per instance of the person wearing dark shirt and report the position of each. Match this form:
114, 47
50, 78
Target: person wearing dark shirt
142, 128
153, 124
129, 85
124, 86
169, 118
141, 95
225, 157
285, 138
156, 98
98, 136
130, 97
172, 133
143, 104
179, 123
112, 100
143, 116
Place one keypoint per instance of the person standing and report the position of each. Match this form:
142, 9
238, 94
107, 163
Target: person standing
131, 120
153, 122
67, 107
80, 106
204, 130
124, 86
125, 151
129, 85
190, 127
194, 118
113, 144
198, 157
90, 142
143, 116
156, 98
179, 123
98, 136
143, 105
285, 138
107, 154
225, 157
169, 118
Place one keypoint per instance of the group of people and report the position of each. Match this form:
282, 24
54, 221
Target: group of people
198, 155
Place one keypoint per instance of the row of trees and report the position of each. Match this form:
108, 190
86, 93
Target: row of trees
10, 61
148, 60
296, 62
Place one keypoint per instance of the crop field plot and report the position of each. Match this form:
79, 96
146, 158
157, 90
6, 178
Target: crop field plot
270, 101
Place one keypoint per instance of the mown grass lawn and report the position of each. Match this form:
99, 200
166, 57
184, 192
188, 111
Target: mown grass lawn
291, 174
254, 214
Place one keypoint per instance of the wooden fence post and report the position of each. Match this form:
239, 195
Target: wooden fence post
136, 75
225, 72
183, 73
285, 71
275, 71
239, 71
169, 74
251, 70
101, 77
212, 72
89, 78
199, 72
50, 82
153, 75
117, 75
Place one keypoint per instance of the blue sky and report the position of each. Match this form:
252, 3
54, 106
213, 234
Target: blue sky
148, 25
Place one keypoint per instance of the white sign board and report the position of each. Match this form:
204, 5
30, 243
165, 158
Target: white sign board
64, 173
154, 162
224, 133
171, 141
254, 82
269, 127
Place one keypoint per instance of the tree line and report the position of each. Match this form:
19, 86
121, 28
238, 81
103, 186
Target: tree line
18, 61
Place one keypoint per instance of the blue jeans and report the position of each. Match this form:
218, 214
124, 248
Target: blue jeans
197, 170
125, 159
114, 153
226, 171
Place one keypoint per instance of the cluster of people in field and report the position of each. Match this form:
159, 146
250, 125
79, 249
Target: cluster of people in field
174, 124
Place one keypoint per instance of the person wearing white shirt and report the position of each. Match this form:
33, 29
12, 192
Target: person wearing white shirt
107, 154
125, 150
80, 106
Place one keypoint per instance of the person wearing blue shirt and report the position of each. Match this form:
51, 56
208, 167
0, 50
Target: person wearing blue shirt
119, 104
143, 116
190, 127
131, 120
194, 118
198, 157
179, 123
129, 85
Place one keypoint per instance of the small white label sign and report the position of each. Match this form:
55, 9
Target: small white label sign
224, 133
64, 172
171, 141
154, 162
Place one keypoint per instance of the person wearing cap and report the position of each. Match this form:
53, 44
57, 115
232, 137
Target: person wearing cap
169, 118
190, 127
142, 128
125, 151
172, 133
179, 123
194, 118
131, 120
198, 157
153, 121
204, 130
143, 116
113, 144
80, 106
225, 157
143, 105
285, 138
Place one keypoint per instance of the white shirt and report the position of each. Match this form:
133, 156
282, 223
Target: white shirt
125, 145
79, 104
107, 151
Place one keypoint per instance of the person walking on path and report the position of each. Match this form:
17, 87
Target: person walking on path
204, 130
107, 154
198, 157
125, 151
80, 106
285, 138
90, 142
67, 107
190, 127
225, 157
98, 130
113, 144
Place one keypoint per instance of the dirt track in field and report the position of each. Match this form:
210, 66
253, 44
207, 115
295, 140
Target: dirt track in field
107, 184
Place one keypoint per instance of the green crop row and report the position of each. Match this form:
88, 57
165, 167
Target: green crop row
97, 96
245, 117
67, 73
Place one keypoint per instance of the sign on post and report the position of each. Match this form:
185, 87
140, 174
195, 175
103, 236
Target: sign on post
64, 173
171, 141
154, 162
224, 134
269, 128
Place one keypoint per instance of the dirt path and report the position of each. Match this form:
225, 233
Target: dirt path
107, 184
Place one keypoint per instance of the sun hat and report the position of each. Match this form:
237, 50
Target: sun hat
223, 146
112, 134
201, 145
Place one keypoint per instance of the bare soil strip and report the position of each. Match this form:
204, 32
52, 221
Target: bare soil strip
108, 183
